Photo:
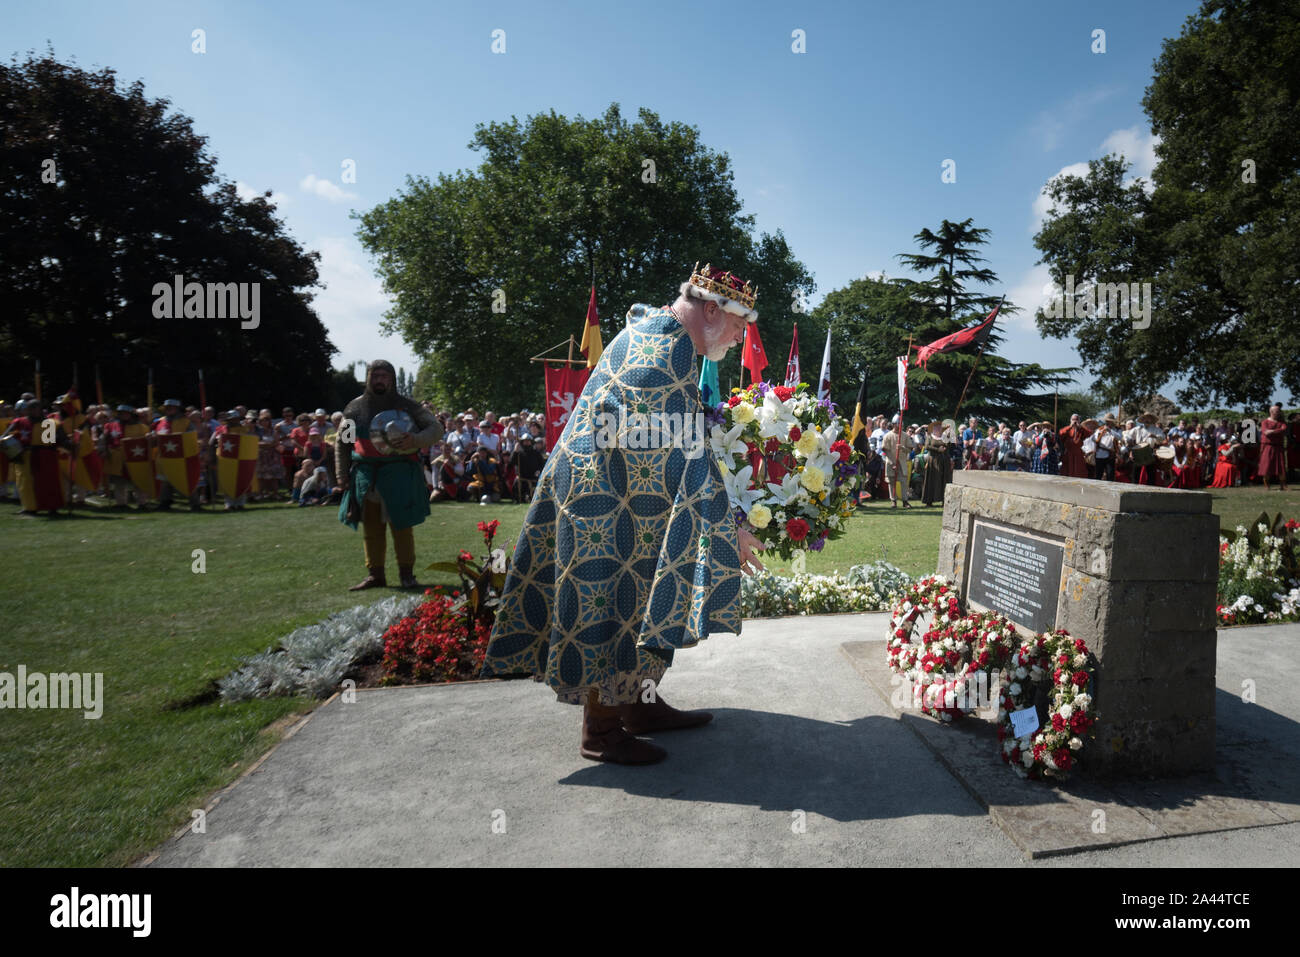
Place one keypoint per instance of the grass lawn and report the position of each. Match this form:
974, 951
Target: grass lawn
115, 593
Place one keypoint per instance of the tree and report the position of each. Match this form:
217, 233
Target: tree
872, 319
490, 267
1218, 236
105, 193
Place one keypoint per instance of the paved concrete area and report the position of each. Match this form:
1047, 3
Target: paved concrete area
804, 764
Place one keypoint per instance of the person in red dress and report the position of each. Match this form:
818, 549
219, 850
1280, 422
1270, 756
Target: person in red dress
1073, 463
1226, 473
1272, 458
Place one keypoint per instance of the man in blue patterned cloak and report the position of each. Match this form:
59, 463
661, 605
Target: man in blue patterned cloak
630, 549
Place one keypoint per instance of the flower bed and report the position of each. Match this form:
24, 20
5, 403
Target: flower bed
433, 643
314, 659
868, 587
1259, 573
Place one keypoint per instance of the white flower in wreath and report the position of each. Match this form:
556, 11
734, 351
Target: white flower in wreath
787, 492
738, 491
1014, 689
725, 445
1082, 701
1079, 661
775, 418
1066, 711
1075, 744
743, 413
1022, 673
1027, 758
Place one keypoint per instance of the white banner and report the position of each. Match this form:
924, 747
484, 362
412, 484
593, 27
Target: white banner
902, 383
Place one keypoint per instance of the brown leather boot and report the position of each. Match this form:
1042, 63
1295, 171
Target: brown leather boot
603, 739
649, 717
407, 573
375, 579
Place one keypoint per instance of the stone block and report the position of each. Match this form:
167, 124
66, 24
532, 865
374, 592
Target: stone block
952, 554
1166, 548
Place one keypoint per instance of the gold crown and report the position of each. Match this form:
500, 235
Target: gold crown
724, 284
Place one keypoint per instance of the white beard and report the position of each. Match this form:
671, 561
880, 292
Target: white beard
715, 345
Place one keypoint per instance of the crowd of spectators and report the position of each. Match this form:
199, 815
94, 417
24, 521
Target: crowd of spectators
1180, 453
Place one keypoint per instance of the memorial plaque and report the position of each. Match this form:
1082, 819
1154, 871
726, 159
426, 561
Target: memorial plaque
1015, 574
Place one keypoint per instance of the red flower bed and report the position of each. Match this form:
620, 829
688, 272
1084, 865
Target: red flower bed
433, 644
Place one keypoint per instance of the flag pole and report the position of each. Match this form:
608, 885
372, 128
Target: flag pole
99, 387
203, 394
898, 446
38, 380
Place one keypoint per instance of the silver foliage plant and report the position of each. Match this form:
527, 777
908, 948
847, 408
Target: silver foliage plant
869, 587
313, 659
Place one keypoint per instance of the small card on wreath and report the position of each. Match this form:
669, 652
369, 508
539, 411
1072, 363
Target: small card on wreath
1024, 722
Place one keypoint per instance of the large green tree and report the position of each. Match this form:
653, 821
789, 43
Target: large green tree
1218, 235
104, 193
871, 320
489, 267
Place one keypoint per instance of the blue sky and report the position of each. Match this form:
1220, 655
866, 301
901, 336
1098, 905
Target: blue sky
841, 146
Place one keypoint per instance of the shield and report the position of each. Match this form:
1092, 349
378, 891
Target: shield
236, 463
387, 427
178, 461
88, 469
137, 459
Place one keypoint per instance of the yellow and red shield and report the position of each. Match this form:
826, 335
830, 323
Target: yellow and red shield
138, 463
236, 463
178, 461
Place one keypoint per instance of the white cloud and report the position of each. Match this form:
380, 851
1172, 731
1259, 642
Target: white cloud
325, 189
352, 304
1043, 202
1136, 145
1029, 293
246, 193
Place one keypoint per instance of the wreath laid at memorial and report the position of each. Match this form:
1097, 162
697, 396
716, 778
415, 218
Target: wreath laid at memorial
1045, 708
787, 464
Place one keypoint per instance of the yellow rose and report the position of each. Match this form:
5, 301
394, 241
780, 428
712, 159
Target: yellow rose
742, 413
807, 443
759, 515
814, 480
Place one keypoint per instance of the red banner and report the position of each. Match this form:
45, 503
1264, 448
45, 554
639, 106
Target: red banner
563, 386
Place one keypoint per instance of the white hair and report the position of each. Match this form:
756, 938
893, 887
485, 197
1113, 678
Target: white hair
691, 291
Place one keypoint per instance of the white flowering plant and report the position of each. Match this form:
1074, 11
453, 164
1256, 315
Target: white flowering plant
1259, 574
787, 464
865, 588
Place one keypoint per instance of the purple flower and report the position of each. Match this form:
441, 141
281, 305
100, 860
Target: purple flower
716, 414
762, 388
818, 545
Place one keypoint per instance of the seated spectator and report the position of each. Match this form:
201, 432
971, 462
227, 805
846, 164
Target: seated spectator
449, 484
317, 489
527, 463
305, 471
484, 477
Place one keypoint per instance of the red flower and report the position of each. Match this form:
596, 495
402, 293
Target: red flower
783, 392
797, 529
735, 400
772, 445
1079, 678
1062, 758
795, 433
464, 557
842, 448
1058, 723
488, 529
1062, 660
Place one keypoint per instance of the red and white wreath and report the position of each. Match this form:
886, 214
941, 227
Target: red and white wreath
1067, 667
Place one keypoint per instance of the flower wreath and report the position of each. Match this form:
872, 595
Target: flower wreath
976, 643
934, 593
1052, 749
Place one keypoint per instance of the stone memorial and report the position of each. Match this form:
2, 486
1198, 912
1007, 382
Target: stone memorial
1130, 569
